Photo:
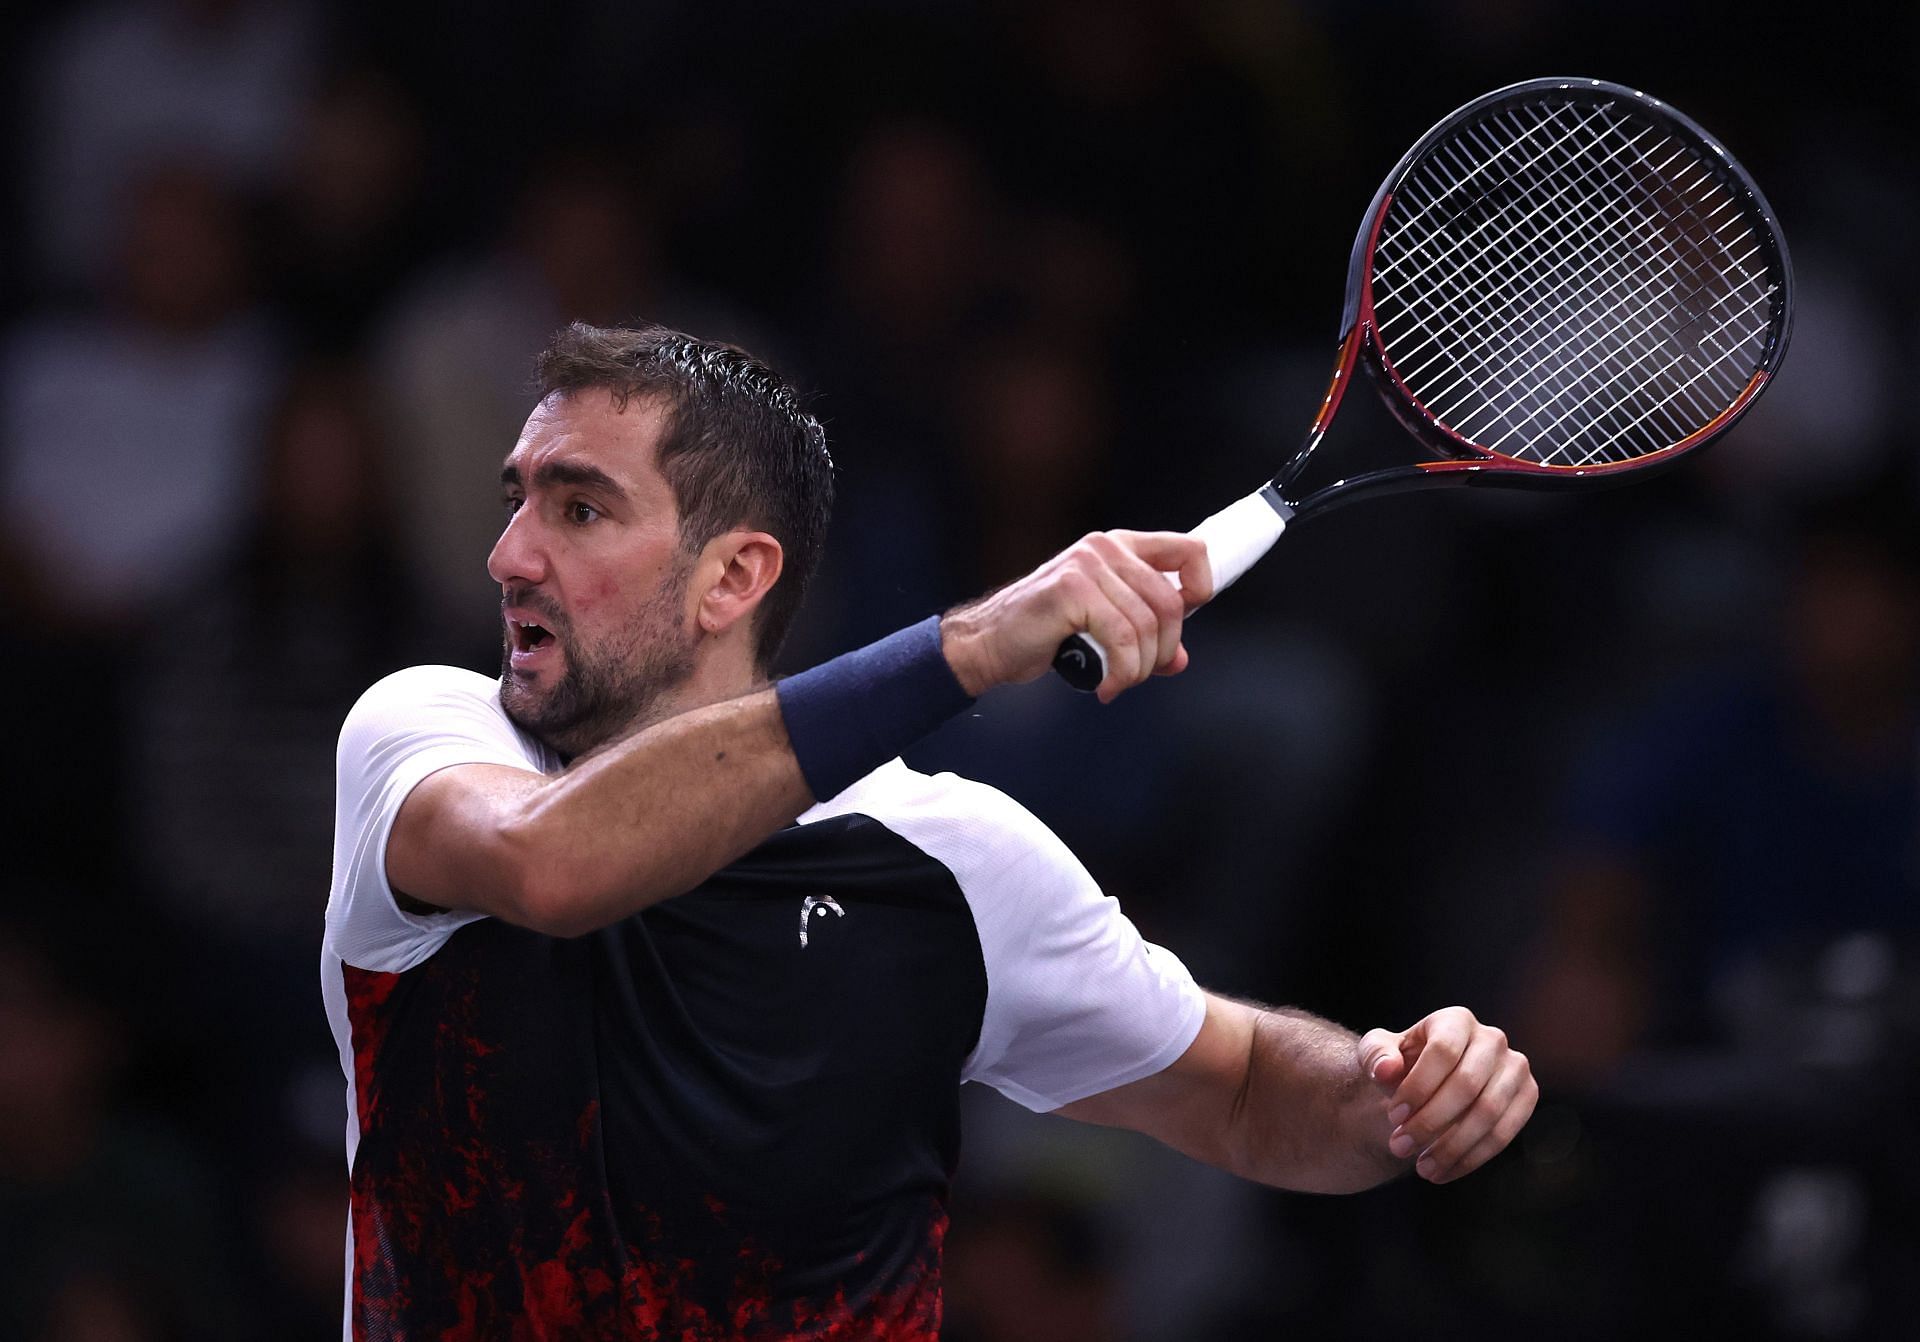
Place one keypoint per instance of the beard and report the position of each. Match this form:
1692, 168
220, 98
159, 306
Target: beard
607, 690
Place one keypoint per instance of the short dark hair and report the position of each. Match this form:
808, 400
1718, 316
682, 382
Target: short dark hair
738, 446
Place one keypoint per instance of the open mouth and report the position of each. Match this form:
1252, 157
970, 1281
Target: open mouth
528, 636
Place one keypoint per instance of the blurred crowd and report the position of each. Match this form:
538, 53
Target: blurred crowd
1636, 775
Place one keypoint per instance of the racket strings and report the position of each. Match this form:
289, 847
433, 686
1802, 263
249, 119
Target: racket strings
1685, 258
1608, 284
1605, 285
1533, 253
1528, 321
1569, 285
1585, 177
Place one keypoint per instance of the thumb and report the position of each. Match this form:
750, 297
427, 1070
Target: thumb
1381, 1059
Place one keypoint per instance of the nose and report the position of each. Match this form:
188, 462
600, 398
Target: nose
519, 556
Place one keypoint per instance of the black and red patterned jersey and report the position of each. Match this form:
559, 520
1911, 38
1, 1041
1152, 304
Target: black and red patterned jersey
733, 1115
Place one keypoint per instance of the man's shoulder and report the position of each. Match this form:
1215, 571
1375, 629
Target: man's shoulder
423, 704
425, 689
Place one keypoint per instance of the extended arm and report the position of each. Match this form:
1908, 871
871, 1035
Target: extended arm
654, 814
1288, 1099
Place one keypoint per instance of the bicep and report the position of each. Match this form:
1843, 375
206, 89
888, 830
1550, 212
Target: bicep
452, 845
1190, 1104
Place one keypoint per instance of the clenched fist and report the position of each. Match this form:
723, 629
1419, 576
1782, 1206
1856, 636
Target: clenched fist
1458, 1091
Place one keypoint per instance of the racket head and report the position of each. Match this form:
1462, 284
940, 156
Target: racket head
1563, 282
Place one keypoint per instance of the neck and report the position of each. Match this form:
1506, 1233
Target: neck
700, 693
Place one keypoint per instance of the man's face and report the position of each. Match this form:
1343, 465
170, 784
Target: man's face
592, 575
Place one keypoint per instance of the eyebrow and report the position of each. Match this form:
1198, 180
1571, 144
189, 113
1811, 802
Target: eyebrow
563, 473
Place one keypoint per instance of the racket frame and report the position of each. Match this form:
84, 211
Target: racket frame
1461, 461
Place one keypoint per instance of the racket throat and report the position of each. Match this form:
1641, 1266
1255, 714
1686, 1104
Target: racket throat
1270, 495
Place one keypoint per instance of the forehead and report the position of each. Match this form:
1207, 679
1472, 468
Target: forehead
588, 428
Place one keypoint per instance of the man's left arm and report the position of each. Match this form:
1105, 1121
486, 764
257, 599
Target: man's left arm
1288, 1099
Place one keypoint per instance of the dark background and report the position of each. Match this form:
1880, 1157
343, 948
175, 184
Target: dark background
1631, 774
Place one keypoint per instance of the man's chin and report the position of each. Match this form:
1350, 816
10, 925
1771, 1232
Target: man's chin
526, 708
527, 693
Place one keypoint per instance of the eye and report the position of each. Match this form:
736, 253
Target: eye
581, 513
512, 504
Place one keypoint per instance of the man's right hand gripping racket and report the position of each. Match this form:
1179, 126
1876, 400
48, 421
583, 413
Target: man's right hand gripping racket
1564, 283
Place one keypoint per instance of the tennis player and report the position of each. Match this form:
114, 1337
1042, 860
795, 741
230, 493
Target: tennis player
654, 982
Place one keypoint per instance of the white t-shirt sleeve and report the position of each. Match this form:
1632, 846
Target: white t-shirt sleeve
1078, 1002
409, 725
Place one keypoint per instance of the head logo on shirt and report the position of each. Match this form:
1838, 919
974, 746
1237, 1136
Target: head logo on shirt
816, 906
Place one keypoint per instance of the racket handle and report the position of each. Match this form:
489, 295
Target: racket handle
1235, 538
1081, 662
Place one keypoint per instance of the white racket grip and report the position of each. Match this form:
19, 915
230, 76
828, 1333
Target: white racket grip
1236, 537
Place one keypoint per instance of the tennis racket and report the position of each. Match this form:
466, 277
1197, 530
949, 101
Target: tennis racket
1565, 283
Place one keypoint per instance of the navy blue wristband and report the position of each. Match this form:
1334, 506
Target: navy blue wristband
849, 716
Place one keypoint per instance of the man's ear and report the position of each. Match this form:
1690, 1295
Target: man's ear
735, 571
